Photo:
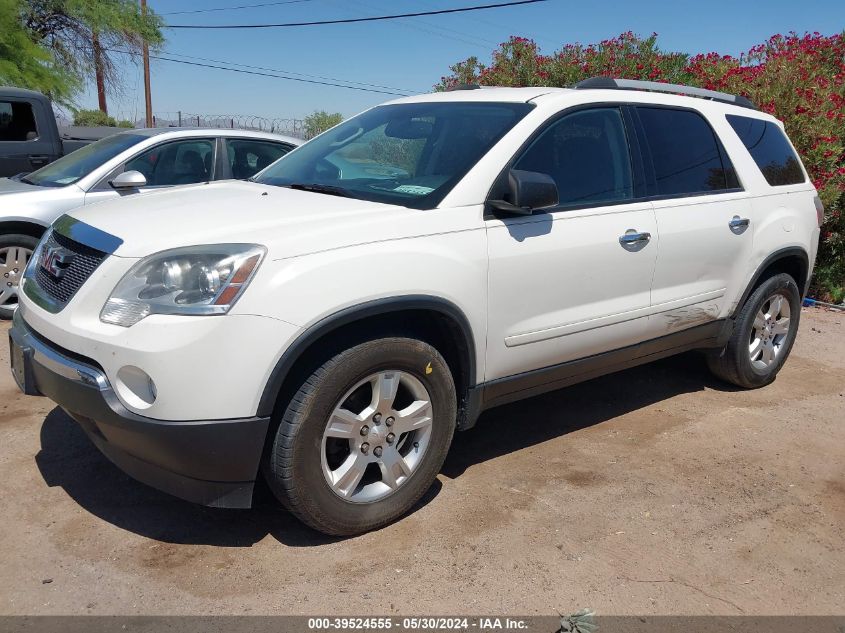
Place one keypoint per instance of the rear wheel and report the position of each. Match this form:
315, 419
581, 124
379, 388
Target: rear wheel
364, 436
763, 335
15, 252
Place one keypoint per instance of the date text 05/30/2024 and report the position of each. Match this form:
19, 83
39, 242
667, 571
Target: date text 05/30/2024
417, 624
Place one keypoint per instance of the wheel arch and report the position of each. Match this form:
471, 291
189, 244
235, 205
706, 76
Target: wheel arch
33, 229
792, 260
434, 319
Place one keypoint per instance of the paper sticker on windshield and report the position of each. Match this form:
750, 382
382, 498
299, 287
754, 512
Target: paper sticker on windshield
416, 190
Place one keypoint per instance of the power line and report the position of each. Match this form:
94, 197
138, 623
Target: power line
291, 72
351, 20
439, 31
243, 6
263, 74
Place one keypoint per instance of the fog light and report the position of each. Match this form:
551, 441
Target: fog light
135, 387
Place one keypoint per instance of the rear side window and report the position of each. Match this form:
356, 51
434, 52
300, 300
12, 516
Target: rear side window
248, 157
686, 156
586, 153
769, 148
17, 121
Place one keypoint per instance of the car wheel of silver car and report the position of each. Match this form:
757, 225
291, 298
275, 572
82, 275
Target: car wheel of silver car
15, 252
763, 334
364, 436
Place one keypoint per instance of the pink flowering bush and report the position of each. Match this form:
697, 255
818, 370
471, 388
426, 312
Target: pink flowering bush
800, 79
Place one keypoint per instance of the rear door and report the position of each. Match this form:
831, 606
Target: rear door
703, 217
565, 284
26, 143
245, 157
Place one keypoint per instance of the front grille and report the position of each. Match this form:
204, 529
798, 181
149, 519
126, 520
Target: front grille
84, 260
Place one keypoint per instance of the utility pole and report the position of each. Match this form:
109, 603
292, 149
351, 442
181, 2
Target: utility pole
98, 72
147, 96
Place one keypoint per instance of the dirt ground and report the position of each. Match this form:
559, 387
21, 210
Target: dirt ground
653, 491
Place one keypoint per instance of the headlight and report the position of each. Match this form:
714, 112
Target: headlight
196, 280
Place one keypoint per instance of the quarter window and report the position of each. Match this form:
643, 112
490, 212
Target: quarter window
176, 163
769, 148
17, 121
686, 156
586, 153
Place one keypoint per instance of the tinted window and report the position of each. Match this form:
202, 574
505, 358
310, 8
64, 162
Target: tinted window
175, 163
247, 157
685, 154
769, 148
78, 164
586, 153
410, 154
17, 121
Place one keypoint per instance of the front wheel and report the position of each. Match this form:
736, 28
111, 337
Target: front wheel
15, 251
763, 335
364, 436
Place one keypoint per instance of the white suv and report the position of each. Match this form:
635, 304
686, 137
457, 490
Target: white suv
329, 324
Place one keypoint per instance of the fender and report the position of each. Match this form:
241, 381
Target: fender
356, 313
771, 259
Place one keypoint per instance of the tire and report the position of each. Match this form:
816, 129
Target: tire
743, 362
12, 247
309, 456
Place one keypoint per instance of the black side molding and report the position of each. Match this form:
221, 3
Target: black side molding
712, 335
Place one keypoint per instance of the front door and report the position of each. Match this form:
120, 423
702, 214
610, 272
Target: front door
183, 162
574, 281
25, 140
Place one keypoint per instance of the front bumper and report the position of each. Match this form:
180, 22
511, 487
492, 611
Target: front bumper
211, 462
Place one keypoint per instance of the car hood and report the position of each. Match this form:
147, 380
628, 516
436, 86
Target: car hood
288, 222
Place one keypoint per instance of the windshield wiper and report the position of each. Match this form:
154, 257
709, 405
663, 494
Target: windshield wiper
26, 180
330, 190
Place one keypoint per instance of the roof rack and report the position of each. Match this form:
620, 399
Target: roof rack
610, 83
463, 87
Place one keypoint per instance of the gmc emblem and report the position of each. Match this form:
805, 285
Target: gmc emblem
55, 260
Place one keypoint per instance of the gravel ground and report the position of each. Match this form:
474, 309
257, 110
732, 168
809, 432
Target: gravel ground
657, 490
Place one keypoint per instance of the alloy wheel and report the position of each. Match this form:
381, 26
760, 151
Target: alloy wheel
13, 261
376, 436
769, 331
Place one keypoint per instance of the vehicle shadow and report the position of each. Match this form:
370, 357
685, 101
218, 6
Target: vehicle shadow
68, 459
522, 424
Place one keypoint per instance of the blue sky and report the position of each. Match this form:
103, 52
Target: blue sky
413, 53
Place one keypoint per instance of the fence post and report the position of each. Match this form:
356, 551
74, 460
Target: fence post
180, 118
198, 120
232, 123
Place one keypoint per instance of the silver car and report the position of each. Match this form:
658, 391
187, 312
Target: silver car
128, 163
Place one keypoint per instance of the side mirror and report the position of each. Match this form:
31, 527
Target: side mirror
528, 191
129, 180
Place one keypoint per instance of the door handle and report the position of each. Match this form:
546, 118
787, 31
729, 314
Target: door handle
632, 238
737, 223
38, 160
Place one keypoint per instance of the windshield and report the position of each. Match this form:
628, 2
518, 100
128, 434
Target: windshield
68, 169
409, 154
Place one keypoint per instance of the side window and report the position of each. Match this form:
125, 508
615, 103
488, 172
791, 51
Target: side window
17, 121
175, 163
686, 156
769, 148
586, 153
247, 157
